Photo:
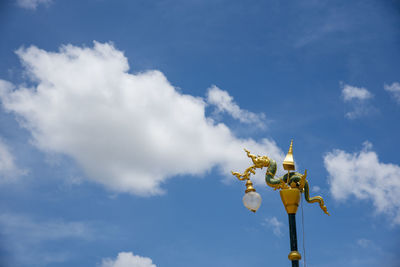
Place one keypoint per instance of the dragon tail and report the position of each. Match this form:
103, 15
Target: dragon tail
318, 199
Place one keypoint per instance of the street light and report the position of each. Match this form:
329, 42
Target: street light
291, 185
251, 199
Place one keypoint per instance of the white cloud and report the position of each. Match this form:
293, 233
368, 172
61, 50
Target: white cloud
32, 4
129, 132
363, 176
394, 90
351, 93
127, 259
25, 237
8, 168
357, 97
225, 103
274, 224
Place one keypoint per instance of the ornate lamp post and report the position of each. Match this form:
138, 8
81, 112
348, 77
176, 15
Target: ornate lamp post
291, 185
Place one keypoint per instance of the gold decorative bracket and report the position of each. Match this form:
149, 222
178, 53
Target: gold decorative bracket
259, 162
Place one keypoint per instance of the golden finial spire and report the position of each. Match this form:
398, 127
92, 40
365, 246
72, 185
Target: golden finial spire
288, 163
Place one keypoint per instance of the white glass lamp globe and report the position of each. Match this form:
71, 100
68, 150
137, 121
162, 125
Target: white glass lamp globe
252, 201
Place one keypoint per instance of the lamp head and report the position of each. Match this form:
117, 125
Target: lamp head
251, 199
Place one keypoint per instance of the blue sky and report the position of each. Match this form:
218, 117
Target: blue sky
121, 121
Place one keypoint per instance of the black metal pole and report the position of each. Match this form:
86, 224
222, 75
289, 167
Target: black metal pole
293, 236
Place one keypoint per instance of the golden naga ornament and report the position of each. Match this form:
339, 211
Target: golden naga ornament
291, 185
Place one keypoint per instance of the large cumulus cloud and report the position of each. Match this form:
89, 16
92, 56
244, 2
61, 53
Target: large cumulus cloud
129, 132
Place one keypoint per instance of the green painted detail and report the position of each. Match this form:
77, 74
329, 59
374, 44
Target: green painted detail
314, 199
271, 171
294, 177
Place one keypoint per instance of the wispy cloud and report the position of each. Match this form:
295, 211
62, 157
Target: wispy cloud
364, 243
8, 169
357, 98
225, 103
26, 236
325, 25
394, 90
23, 227
363, 176
128, 259
315, 189
129, 132
319, 32
32, 4
274, 224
